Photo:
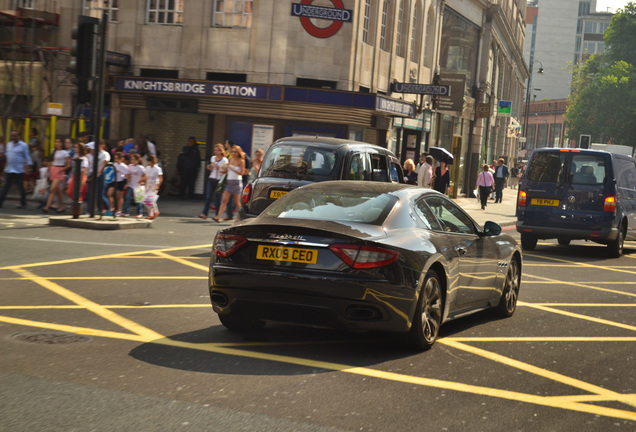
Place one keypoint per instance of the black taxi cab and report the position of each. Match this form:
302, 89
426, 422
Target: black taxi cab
297, 161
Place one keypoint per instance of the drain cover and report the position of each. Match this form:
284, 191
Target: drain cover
51, 338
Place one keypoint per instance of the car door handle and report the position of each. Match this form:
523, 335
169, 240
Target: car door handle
460, 249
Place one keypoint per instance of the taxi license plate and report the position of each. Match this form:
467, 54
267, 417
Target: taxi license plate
275, 194
287, 254
544, 202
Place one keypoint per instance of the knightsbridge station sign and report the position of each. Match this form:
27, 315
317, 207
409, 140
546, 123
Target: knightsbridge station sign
337, 15
192, 88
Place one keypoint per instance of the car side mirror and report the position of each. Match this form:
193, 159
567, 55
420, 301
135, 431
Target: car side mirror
492, 229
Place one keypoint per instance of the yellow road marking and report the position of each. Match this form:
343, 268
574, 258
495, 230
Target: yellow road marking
579, 264
583, 317
100, 257
526, 367
114, 278
182, 261
581, 285
90, 305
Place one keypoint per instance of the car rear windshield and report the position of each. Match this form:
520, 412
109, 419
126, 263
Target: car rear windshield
568, 167
350, 206
298, 161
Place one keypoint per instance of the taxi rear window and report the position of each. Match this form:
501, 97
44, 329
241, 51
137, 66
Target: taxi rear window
298, 161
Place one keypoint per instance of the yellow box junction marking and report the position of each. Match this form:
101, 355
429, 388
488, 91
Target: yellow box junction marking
138, 333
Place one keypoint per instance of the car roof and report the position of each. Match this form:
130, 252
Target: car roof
336, 186
327, 142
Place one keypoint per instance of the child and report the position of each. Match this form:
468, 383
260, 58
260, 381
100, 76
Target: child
135, 173
41, 187
122, 180
153, 177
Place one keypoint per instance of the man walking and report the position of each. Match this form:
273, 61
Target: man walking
425, 172
501, 177
188, 164
18, 162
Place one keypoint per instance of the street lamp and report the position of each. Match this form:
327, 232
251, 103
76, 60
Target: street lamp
528, 87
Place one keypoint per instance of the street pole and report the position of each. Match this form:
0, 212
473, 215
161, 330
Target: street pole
98, 107
528, 88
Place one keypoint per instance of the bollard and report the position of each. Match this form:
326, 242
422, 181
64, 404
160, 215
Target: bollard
76, 207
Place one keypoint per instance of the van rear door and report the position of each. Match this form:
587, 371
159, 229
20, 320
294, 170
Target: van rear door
567, 189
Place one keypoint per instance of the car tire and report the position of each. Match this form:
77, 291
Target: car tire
563, 242
428, 314
528, 242
510, 292
233, 321
615, 247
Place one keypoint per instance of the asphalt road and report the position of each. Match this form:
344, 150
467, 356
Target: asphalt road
103, 331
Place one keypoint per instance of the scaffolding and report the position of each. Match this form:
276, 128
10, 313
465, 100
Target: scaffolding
32, 66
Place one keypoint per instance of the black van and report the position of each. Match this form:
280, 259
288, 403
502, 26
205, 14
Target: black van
296, 161
577, 194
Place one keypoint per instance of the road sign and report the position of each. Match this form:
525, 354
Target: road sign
424, 89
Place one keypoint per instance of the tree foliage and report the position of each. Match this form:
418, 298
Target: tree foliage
603, 99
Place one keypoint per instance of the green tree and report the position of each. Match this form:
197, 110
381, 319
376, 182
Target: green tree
603, 99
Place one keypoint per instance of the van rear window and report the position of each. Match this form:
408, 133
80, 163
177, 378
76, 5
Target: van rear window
565, 167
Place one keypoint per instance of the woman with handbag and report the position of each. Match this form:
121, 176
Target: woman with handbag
61, 163
485, 184
217, 162
234, 186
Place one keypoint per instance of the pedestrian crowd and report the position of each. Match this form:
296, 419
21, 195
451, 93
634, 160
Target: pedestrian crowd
129, 173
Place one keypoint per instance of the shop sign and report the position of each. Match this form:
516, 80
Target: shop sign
337, 15
454, 102
423, 89
396, 107
191, 88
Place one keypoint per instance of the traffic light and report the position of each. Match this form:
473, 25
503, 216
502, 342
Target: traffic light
585, 141
83, 55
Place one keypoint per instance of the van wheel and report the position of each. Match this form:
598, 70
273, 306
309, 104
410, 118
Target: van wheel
615, 247
564, 242
528, 242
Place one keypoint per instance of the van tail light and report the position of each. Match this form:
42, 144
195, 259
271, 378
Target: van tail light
521, 199
247, 193
225, 245
610, 204
364, 257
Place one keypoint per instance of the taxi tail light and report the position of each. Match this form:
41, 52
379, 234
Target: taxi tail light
610, 204
225, 245
521, 199
247, 193
364, 257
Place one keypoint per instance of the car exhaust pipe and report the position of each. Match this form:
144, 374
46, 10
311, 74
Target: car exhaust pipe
363, 313
219, 299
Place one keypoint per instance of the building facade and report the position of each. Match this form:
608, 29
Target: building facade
257, 70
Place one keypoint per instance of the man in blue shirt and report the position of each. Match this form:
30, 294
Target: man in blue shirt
18, 162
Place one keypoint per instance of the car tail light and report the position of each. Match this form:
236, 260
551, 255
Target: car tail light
225, 245
521, 199
247, 193
364, 257
610, 204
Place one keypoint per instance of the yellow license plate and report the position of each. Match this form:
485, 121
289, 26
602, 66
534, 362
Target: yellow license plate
287, 254
275, 194
544, 202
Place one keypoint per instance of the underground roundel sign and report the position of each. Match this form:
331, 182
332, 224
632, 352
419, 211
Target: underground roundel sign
337, 15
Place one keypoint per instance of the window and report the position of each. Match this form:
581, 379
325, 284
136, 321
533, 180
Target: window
590, 27
399, 43
384, 39
449, 216
415, 33
359, 167
164, 12
429, 40
366, 21
25, 4
232, 13
584, 8
96, 8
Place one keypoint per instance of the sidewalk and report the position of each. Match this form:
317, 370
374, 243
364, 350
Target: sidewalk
502, 213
